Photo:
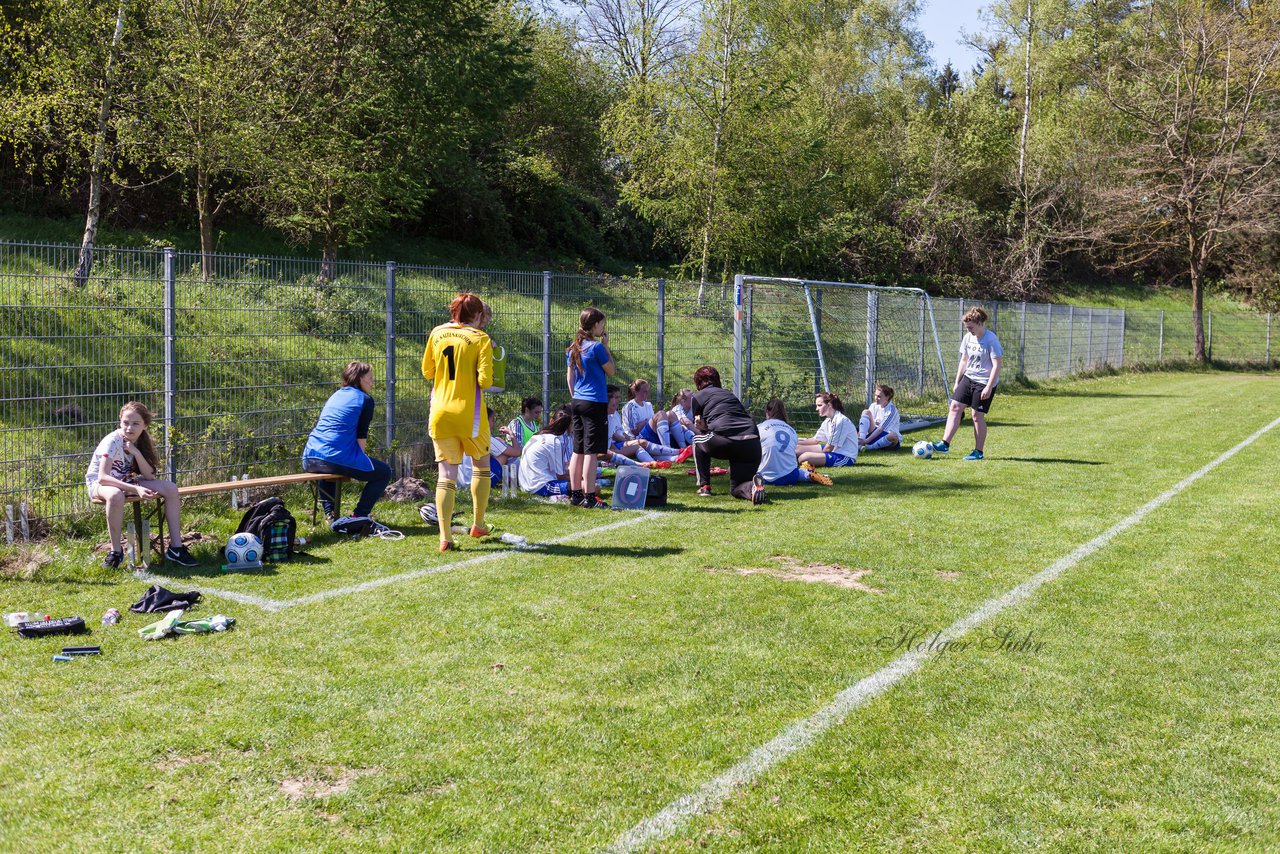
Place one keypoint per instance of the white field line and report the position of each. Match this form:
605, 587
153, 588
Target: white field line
804, 732
487, 557
243, 598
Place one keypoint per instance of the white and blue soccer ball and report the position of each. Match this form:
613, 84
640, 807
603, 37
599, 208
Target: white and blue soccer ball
922, 450
243, 551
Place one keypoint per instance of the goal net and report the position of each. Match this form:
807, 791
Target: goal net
794, 338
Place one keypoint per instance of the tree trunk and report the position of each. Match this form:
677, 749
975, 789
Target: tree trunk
206, 222
1197, 308
85, 263
329, 256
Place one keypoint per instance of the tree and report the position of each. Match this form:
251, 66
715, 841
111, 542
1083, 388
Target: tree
197, 109
66, 63
380, 92
1190, 169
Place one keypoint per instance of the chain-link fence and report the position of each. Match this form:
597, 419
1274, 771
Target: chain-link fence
236, 366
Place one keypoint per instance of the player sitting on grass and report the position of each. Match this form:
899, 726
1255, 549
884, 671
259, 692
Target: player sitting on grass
778, 450
543, 469
624, 449
657, 428
880, 425
836, 442
977, 376
523, 426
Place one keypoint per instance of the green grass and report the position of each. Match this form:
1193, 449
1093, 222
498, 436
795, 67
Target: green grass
548, 701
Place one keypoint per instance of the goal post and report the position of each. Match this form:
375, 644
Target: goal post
795, 337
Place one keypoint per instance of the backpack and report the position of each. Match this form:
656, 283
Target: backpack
272, 523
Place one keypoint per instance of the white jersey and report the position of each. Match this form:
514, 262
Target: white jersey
636, 415
542, 461
681, 413
887, 419
778, 449
497, 448
112, 447
840, 433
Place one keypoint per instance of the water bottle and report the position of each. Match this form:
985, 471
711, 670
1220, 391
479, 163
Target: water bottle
514, 539
111, 617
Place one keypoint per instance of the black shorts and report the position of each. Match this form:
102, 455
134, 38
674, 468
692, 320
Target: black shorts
590, 425
969, 393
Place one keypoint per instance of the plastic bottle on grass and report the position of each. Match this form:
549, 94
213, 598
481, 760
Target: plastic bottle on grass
514, 539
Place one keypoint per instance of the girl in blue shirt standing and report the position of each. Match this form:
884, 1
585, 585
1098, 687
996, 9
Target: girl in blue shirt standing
589, 364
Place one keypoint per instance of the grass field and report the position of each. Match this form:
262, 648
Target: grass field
557, 699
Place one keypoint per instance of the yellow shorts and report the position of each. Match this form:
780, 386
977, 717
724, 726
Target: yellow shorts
450, 449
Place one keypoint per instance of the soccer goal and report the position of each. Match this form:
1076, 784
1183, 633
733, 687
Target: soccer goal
794, 338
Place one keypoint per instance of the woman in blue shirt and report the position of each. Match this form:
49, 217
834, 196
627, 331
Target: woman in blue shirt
336, 444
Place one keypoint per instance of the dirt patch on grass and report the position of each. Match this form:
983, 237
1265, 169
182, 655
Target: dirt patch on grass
947, 574
791, 569
23, 562
169, 764
305, 788
408, 489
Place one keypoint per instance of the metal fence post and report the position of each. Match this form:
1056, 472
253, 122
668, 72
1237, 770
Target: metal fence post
1124, 321
1089, 349
820, 377
1160, 351
1022, 340
750, 335
1268, 340
737, 335
662, 334
546, 338
390, 391
170, 360
873, 323
1071, 331
817, 339
1048, 341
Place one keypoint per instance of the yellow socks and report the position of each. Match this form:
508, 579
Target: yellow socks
480, 486
446, 493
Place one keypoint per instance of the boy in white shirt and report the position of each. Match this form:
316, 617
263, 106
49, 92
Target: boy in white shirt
977, 376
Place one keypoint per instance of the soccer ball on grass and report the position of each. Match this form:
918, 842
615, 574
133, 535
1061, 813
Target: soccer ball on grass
922, 450
243, 551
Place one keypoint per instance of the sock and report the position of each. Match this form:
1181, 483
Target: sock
664, 431
662, 451
480, 487
643, 456
446, 492
864, 425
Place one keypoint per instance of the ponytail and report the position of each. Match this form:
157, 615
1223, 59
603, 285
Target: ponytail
589, 318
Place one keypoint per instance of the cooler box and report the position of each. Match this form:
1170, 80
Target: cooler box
630, 488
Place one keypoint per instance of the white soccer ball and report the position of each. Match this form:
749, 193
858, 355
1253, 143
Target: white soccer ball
243, 550
922, 450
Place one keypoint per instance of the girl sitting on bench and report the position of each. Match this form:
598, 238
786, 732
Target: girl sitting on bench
124, 464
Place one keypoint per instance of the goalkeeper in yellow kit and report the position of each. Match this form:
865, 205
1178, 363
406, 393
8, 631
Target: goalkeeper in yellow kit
459, 362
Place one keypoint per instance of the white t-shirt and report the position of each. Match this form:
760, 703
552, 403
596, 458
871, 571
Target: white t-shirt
840, 433
497, 447
977, 353
542, 462
111, 447
887, 419
636, 415
617, 433
778, 448
680, 413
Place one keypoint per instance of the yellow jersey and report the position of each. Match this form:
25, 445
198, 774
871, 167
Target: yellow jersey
459, 361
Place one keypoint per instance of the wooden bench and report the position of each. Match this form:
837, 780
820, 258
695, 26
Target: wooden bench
312, 478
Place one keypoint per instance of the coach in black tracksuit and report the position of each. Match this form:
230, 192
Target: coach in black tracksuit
724, 431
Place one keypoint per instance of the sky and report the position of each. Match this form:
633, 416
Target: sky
942, 20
